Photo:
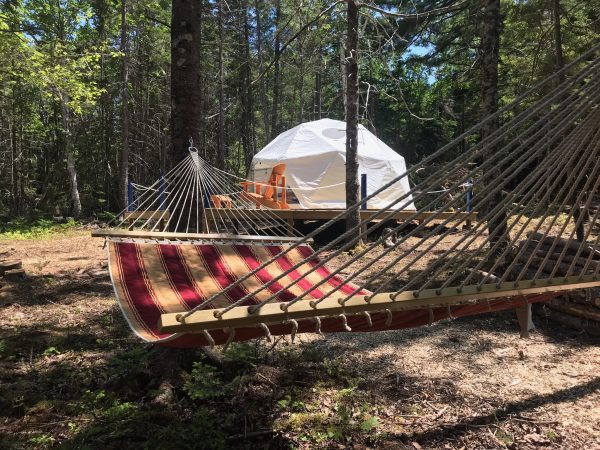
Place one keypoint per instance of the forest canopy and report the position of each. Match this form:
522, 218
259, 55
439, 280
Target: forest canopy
81, 80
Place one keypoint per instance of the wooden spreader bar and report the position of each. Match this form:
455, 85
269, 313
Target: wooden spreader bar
139, 234
273, 313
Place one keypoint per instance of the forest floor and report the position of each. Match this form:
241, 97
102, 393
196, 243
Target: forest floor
73, 376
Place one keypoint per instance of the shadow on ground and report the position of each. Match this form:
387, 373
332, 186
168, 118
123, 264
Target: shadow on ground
93, 385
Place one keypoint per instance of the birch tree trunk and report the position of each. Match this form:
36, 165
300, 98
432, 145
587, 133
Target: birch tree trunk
70, 154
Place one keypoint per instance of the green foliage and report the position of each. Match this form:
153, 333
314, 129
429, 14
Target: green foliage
504, 437
129, 360
41, 440
288, 402
348, 414
333, 411
3, 349
205, 383
61, 87
51, 351
116, 421
245, 352
20, 229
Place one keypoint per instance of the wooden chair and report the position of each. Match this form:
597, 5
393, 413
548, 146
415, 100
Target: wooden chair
222, 201
271, 194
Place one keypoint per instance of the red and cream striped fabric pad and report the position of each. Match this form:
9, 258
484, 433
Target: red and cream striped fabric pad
151, 279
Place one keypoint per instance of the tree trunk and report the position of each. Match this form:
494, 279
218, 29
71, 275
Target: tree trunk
263, 87
558, 46
70, 154
276, 74
351, 74
14, 170
186, 88
124, 166
344, 70
220, 159
317, 97
247, 100
186, 94
489, 54
301, 73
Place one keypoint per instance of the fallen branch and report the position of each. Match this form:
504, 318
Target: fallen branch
575, 309
589, 326
571, 244
252, 434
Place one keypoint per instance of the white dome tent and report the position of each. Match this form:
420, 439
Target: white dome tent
315, 158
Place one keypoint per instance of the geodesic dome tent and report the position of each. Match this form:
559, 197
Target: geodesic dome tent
315, 156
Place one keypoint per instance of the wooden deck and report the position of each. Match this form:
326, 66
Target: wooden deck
328, 214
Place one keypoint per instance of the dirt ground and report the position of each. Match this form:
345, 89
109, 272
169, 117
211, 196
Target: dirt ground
72, 376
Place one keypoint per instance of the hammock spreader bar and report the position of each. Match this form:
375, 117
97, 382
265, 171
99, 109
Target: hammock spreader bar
430, 298
208, 237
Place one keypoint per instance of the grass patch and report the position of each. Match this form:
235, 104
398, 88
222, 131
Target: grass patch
21, 229
333, 411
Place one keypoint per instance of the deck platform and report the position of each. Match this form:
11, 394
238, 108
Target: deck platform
328, 214
290, 216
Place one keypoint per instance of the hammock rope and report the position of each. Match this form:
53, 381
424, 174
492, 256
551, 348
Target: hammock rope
422, 225
534, 177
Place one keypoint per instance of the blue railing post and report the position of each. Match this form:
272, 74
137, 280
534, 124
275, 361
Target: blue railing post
130, 196
470, 195
469, 201
206, 199
363, 189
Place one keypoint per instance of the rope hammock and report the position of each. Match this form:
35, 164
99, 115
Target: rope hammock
198, 263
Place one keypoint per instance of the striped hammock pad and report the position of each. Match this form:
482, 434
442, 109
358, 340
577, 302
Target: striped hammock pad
153, 279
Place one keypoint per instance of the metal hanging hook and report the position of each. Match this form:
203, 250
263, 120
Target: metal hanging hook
192, 148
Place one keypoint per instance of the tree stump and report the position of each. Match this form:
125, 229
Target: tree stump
14, 275
9, 265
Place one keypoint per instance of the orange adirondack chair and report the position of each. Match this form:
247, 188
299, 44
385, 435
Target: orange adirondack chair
271, 194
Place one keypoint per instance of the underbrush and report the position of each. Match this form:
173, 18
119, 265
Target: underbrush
22, 229
281, 397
